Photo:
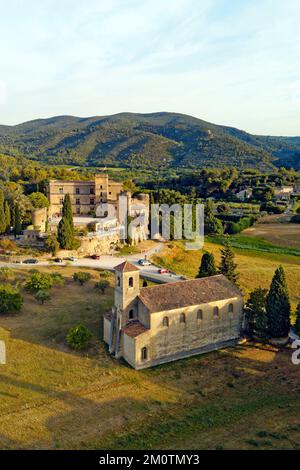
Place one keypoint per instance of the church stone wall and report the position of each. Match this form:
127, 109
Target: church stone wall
184, 339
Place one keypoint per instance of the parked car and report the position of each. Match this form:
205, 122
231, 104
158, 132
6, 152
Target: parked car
30, 261
58, 260
144, 262
95, 257
72, 258
163, 271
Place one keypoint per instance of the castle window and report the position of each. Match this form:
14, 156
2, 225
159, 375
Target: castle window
61, 190
166, 321
61, 201
77, 190
182, 318
144, 354
130, 282
216, 312
92, 202
200, 315
78, 211
78, 202
92, 191
130, 314
230, 308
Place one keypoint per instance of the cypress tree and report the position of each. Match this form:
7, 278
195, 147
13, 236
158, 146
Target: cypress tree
212, 225
67, 212
297, 324
207, 267
17, 219
7, 216
64, 234
228, 266
278, 306
257, 320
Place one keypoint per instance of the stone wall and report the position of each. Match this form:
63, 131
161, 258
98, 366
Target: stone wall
98, 245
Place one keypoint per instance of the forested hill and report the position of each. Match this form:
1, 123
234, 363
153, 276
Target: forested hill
158, 140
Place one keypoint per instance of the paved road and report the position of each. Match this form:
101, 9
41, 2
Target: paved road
110, 262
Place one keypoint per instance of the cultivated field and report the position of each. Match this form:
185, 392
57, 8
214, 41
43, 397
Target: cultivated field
53, 398
280, 234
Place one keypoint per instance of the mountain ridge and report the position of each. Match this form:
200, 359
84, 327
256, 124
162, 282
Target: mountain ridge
146, 140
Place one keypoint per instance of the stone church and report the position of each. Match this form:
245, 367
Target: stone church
153, 325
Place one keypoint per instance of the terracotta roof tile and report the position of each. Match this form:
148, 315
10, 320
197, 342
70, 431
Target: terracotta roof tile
126, 267
134, 329
187, 293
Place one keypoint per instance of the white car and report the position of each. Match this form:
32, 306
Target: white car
144, 262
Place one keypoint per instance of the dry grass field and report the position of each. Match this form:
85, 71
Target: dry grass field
53, 398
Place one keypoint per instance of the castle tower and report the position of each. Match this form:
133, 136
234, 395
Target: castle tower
127, 288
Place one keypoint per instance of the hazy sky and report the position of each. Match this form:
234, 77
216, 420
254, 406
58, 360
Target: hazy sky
234, 62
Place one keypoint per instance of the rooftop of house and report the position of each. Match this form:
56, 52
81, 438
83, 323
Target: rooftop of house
182, 294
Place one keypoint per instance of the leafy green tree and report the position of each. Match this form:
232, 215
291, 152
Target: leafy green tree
81, 277
38, 200
38, 281
257, 320
7, 216
17, 221
2, 213
79, 337
297, 324
278, 306
52, 244
42, 296
207, 267
11, 300
228, 266
102, 285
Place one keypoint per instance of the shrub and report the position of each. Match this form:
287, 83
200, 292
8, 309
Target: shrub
11, 300
81, 277
6, 274
102, 285
78, 337
57, 279
38, 281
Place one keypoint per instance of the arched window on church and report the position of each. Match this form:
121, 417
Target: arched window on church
131, 314
230, 308
182, 318
199, 315
144, 354
130, 282
166, 321
216, 312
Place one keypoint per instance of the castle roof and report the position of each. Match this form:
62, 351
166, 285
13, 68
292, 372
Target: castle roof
126, 267
182, 294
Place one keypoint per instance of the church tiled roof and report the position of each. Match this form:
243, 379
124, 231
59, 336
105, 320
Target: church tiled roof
134, 329
182, 294
126, 267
